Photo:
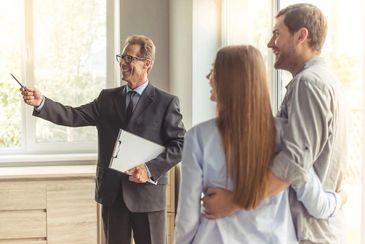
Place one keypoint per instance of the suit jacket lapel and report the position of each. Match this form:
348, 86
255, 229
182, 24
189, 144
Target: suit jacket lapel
144, 101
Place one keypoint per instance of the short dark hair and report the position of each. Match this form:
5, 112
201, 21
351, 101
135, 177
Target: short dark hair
309, 16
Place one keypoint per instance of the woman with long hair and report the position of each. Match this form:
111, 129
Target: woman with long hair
234, 151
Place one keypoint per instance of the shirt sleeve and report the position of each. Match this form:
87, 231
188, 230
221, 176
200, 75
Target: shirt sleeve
149, 176
39, 108
318, 202
306, 134
189, 206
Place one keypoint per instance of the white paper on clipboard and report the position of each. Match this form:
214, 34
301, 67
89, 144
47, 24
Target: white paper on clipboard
131, 150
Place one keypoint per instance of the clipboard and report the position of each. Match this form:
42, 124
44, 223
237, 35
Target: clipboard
131, 150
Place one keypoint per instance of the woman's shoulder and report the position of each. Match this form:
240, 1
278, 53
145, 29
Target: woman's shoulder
203, 128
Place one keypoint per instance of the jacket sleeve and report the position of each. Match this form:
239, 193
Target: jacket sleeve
173, 132
85, 115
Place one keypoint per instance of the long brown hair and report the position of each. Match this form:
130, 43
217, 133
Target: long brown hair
245, 121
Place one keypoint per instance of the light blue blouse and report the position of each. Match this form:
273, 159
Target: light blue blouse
203, 166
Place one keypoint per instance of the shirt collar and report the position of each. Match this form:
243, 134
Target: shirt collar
311, 62
307, 64
139, 89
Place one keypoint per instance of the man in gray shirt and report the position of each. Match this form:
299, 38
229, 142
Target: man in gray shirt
315, 135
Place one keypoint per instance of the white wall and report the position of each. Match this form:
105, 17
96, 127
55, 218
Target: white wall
150, 18
181, 22
194, 40
185, 33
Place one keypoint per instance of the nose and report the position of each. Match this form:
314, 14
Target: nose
270, 44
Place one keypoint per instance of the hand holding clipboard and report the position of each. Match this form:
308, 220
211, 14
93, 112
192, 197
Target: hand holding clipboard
131, 150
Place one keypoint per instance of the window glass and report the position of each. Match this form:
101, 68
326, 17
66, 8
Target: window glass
11, 50
69, 59
61, 48
247, 22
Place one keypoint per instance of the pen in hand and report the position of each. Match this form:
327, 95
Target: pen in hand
31, 95
21, 85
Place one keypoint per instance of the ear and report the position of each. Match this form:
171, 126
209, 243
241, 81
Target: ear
302, 35
147, 63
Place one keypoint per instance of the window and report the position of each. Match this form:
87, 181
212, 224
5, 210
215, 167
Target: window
63, 49
248, 22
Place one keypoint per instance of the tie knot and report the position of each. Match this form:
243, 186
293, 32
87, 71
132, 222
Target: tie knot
132, 93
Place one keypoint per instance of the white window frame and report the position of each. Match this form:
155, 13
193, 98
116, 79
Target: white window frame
30, 151
274, 76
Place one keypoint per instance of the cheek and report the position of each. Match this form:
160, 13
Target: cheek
133, 70
137, 69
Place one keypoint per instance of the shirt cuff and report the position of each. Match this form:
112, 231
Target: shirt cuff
149, 176
338, 203
284, 168
39, 108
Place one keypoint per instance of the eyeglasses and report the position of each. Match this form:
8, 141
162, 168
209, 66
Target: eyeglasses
127, 58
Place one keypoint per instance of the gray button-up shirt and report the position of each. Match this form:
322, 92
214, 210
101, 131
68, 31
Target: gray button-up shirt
315, 136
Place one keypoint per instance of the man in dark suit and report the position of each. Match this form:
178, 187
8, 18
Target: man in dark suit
136, 201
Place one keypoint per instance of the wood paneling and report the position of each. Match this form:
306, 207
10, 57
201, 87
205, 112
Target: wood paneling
22, 196
22, 224
23, 241
52, 206
71, 214
170, 192
170, 223
48, 205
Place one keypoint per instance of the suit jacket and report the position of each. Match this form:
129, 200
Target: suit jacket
156, 117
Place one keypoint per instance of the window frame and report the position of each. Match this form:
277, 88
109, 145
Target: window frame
274, 76
29, 147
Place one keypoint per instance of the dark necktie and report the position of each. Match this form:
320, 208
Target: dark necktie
131, 94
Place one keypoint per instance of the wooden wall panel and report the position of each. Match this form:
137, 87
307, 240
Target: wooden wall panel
22, 196
26, 241
71, 214
22, 224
